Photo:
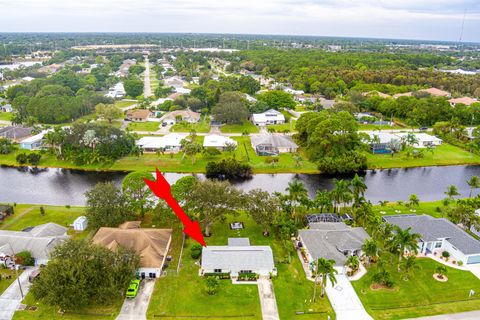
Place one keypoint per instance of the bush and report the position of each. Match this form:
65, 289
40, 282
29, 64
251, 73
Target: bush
21, 158
211, 151
24, 258
460, 263
247, 276
196, 251
228, 169
271, 160
383, 278
211, 285
446, 254
218, 275
34, 158
5, 146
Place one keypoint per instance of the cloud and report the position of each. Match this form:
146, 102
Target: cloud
417, 19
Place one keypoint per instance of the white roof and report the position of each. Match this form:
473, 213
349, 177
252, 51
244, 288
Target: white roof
422, 137
35, 138
80, 219
385, 137
28, 79
292, 91
272, 115
171, 140
215, 140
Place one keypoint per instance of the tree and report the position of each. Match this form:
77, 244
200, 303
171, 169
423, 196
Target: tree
403, 240
107, 206
211, 285
441, 270
6, 146
137, 192
73, 279
133, 88
34, 158
228, 169
353, 263
297, 194
277, 99
21, 158
413, 201
262, 207
474, 184
191, 149
451, 192
211, 200
408, 265
395, 146
230, 108
323, 200
371, 250
24, 258
325, 269
108, 112
358, 187
341, 193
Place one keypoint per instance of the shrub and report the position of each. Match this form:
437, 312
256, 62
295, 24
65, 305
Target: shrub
228, 169
271, 160
42, 211
446, 254
21, 158
5, 146
211, 285
196, 251
383, 278
441, 271
34, 158
24, 258
211, 151
460, 263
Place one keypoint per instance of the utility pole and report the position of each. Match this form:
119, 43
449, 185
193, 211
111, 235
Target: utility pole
16, 270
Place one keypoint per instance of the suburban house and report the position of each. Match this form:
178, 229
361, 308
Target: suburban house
5, 211
117, 91
436, 92
151, 245
217, 141
39, 241
80, 224
332, 241
50, 68
424, 139
171, 142
138, 115
182, 115
464, 100
272, 144
123, 70
405, 94
438, 235
380, 141
236, 258
34, 142
271, 116
15, 133
6, 108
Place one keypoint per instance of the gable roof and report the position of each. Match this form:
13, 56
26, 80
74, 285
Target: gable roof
150, 244
139, 113
436, 92
215, 140
434, 229
48, 230
276, 140
271, 114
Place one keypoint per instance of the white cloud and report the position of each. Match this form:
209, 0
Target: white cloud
418, 19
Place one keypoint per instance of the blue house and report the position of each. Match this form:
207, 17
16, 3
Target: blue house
34, 142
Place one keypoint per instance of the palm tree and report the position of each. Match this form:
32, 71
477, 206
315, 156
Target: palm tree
451, 192
371, 250
297, 193
323, 268
358, 186
413, 201
353, 263
474, 183
404, 240
341, 193
408, 265
323, 200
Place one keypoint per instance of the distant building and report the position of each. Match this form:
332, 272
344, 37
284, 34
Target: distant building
185, 115
272, 144
464, 100
170, 143
436, 92
138, 115
6, 108
34, 142
268, 117
424, 140
380, 141
117, 91
398, 95
50, 68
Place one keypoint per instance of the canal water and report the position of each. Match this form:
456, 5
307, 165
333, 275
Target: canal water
67, 187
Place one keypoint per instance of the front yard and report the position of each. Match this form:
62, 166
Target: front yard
144, 126
422, 295
6, 116
246, 126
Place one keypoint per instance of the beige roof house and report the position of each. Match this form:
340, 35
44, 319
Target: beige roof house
186, 115
436, 92
138, 115
463, 100
398, 95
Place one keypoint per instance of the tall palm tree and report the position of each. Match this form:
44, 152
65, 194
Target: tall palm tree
403, 240
323, 200
341, 193
371, 250
297, 193
452, 191
323, 268
413, 200
358, 187
408, 265
474, 183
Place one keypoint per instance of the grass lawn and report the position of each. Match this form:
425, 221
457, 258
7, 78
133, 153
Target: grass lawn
380, 127
184, 295
422, 295
6, 116
391, 208
5, 283
123, 104
143, 126
443, 155
246, 126
282, 127
202, 126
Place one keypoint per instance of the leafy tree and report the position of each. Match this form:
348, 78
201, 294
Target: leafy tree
133, 88
211, 285
24, 258
182, 188
107, 206
408, 265
108, 112
136, 69
72, 279
474, 183
228, 169
323, 268
277, 99
262, 207
21, 158
6, 146
191, 149
137, 192
230, 108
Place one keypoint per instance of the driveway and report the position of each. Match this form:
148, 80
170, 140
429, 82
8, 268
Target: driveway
136, 309
345, 301
11, 298
267, 299
472, 315
147, 91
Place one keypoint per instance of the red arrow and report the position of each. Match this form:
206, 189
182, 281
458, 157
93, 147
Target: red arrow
161, 189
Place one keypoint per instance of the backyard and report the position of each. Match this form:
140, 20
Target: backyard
421, 295
203, 126
431, 208
246, 126
124, 103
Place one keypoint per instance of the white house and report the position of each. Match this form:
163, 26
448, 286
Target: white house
438, 235
6, 108
268, 117
80, 224
169, 143
424, 139
236, 258
293, 91
217, 141
117, 91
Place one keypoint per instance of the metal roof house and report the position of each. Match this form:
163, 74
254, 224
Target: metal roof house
34, 142
218, 141
332, 241
271, 116
438, 235
238, 257
168, 143
272, 144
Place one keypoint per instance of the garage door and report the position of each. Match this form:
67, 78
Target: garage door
473, 259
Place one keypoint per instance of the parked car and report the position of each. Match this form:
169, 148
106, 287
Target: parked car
423, 128
133, 288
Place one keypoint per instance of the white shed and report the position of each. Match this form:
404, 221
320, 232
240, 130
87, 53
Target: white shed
80, 224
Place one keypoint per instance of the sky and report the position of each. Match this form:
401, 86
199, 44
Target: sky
398, 19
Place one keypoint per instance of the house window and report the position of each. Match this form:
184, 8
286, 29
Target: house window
245, 271
438, 244
217, 270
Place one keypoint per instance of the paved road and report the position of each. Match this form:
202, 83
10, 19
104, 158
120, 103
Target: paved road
11, 297
267, 299
472, 315
345, 301
147, 91
136, 309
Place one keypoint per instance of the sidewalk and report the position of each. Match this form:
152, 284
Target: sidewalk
12, 297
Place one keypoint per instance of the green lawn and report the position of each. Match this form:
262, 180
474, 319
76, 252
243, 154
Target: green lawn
144, 126
282, 127
443, 155
429, 208
246, 126
5, 283
123, 104
184, 295
422, 295
6, 116
202, 126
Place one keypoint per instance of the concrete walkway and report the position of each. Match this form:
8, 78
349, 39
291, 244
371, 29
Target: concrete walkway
136, 308
345, 301
472, 315
267, 299
11, 298
147, 91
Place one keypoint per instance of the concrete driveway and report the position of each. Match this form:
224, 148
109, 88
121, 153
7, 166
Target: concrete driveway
267, 299
345, 301
11, 298
136, 309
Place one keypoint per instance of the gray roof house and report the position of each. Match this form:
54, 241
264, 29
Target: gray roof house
332, 241
15, 133
272, 144
39, 240
438, 235
238, 257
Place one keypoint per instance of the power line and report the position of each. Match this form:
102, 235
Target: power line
463, 24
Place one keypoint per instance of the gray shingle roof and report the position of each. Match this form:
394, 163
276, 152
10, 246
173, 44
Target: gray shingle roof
433, 229
276, 140
329, 240
238, 242
15, 132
